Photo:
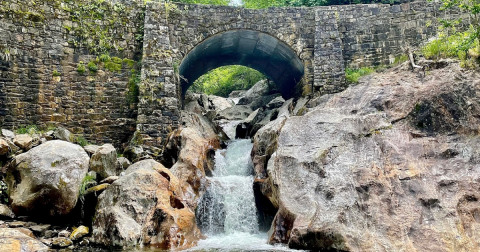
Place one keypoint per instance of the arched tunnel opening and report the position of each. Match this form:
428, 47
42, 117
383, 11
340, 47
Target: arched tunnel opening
254, 49
257, 50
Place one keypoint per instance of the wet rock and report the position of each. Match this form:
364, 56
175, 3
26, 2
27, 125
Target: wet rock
104, 161
4, 147
51, 233
142, 207
6, 212
8, 134
13, 240
64, 233
84, 242
61, 242
23, 141
64, 134
40, 230
79, 233
46, 180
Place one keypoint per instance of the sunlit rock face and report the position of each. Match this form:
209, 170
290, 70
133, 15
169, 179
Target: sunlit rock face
391, 163
45, 181
145, 206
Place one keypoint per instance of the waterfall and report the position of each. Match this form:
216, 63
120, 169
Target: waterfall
228, 206
227, 213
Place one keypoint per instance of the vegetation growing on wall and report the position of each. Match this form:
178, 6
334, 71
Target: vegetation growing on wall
452, 42
223, 80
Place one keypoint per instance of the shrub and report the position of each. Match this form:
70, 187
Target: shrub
92, 66
30, 129
105, 58
81, 68
56, 73
352, 75
80, 140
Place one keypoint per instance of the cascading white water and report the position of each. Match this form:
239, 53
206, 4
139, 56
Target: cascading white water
227, 213
228, 206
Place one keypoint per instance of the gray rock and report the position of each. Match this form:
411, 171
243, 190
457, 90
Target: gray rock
275, 103
133, 153
147, 164
8, 134
46, 179
104, 161
91, 149
6, 212
51, 233
40, 230
123, 163
49, 135
64, 134
238, 112
220, 103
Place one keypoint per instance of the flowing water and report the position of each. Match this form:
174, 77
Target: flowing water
227, 212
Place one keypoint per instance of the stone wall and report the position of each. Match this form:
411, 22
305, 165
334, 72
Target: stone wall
41, 46
43, 43
374, 34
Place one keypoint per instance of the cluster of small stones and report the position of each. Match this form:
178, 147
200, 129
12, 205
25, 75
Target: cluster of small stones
40, 53
55, 237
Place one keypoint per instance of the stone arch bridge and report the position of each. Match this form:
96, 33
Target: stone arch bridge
304, 50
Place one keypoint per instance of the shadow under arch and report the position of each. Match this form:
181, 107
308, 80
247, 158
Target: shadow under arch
250, 48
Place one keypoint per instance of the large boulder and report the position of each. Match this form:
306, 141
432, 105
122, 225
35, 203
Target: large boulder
13, 240
45, 181
220, 103
390, 163
145, 207
104, 161
64, 134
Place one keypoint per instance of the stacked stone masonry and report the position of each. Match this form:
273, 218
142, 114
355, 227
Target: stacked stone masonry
37, 39
39, 79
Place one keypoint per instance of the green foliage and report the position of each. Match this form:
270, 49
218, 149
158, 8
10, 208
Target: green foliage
400, 59
81, 68
105, 58
133, 88
29, 129
113, 67
212, 2
87, 182
462, 45
92, 67
352, 75
223, 80
56, 73
80, 140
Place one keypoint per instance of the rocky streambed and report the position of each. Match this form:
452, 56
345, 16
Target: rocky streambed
390, 164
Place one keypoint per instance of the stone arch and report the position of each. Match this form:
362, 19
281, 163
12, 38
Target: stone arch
255, 49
